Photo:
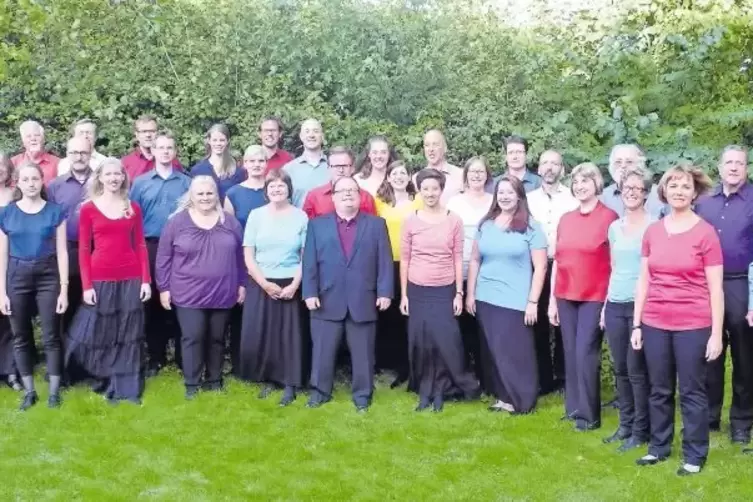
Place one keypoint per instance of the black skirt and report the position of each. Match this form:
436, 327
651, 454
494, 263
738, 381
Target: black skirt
436, 353
7, 363
272, 343
106, 339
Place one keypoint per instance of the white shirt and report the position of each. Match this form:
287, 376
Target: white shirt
471, 216
94, 162
547, 210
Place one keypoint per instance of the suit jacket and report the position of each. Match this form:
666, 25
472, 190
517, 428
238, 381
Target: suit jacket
347, 285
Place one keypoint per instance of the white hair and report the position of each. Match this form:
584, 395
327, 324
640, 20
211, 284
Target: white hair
635, 149
31, 124
185, 203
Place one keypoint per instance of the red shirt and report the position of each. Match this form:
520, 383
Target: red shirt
119, 247
136, 164
319, 202
47, 161
279, 159
678, 296
582, 255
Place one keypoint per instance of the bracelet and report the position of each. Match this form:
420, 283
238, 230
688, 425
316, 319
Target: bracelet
459, 293
636, 327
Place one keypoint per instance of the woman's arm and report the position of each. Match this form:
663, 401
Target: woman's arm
714, 278
641, 291
540, 263
228, 206
61, 249
4, 306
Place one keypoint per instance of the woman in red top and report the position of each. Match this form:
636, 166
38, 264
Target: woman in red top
580, 276
105, 340
679, 313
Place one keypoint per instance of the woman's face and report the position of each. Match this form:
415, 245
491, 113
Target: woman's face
255, 166
30, 182
379, 155
399, 178
111, 177
217, 143
204, 196
507, 199
277, 191
431, 191
633, 193
680, 192
584, 189
477, 176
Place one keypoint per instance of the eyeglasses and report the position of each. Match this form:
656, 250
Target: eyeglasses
347, 191
339, 167
80, 154
147, 131
633, 189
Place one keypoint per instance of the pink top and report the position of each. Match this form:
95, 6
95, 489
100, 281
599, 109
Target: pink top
432, 249
678, 296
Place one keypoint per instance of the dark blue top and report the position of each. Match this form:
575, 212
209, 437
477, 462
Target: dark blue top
68, 192
245, 200
31, 236
158, 198
204, 168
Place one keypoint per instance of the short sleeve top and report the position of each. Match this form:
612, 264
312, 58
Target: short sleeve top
31, 236
245, 200
277, 240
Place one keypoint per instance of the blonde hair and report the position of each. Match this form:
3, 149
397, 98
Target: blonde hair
255, 151
701, 181
228, 164
185, 203
590, 171
95, 188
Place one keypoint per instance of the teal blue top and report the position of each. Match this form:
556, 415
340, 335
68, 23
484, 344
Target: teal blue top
277, 240
626, 260
506, 270
31, 236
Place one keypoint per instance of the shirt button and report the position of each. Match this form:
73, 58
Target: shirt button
722, 217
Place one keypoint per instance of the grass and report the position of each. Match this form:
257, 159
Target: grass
235, 447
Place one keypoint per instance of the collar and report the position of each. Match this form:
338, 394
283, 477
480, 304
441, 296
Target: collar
338, 219
69, 176
445, 168
558, 189
154, 174
301, 159
743, 191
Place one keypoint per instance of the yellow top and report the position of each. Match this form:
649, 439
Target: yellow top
394, 217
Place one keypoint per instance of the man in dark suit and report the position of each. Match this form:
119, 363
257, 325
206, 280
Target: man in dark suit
347, 278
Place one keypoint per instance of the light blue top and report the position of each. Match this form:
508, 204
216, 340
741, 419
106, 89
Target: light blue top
626, 260
277, 240
506, 270
305, 177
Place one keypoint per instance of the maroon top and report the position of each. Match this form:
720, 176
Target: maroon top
136, 164
279, 159
346, 230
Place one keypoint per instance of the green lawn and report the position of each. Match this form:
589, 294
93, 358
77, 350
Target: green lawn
234, 447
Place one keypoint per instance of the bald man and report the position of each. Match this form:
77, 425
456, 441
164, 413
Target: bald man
435, 151
310, 170
32, 138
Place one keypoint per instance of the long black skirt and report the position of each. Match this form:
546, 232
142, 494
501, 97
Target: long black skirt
508, 356
272, 346
106, 340
436, 353
7, 363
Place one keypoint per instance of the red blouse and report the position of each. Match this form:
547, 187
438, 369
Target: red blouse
582, 255
119, 247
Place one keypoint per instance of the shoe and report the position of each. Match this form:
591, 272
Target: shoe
14, 384
317, 399
265, 392
649, 460
288, 396
112, 401
212, 386
747, 451
611, 404
621, 434
585, 426
362, 408
54, 401
630, 443
29, 400
688, 470
398, 381
438, 404
423, 403
570, 417
497, 407
191, 393
739, 436
714, 426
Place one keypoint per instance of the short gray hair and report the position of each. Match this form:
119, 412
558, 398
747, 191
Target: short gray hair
590, 171
635, 148
31, 124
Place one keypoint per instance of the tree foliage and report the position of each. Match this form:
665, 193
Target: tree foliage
672, 75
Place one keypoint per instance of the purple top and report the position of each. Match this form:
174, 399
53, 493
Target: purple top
732, 218
346, 231
200, 268
68, 192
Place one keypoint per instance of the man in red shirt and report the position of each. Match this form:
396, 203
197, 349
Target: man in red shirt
32, 137
270, 132
319, 200
141, 160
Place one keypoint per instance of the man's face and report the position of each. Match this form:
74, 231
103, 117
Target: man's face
145, 133
550, 167
33, 139
312, 135
269, 134
346, 195
623, 158
340, 165
164, 150
733, 168
515, 154
87, 131
434, 148
79, 153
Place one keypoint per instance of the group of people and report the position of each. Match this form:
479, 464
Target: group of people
458, 281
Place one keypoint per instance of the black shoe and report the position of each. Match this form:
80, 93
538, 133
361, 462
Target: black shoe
630, 443
747, 451
212, 386
739, 436
54, 401
29, 400
287, 397
644, 461
621, 434
611, 404
398, 381
265, 392
152, 371
570, 417
438, 404
317, 399
585, 426
362, 408
191, 393
714, 426
423, 403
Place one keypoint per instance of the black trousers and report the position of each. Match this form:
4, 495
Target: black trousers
392, 334
582, 340
551, 362
35, 286
161, 325
678, 356
471, 333
75, 288
630, 373
203, 343
360, 337
740, 338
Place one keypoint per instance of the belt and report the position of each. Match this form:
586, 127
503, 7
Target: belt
735, 276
